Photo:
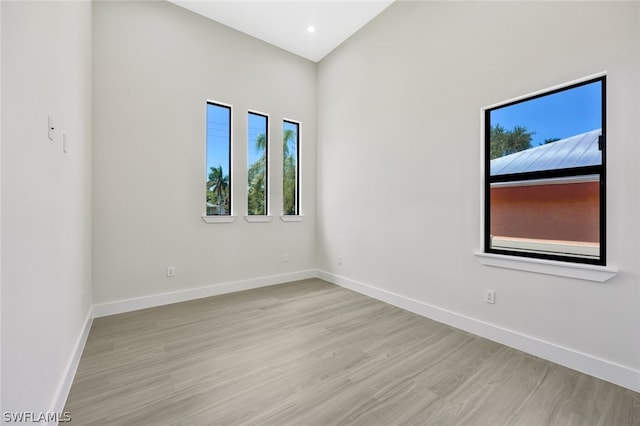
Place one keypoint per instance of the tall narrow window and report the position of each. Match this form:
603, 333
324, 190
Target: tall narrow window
291, 167
545, 175
218, 159
257, 163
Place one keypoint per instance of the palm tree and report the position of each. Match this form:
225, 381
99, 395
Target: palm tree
218, 184
289, 135
261, 143
289, 172
257, 173
257, 188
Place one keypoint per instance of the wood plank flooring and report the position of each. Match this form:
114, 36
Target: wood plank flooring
311, 353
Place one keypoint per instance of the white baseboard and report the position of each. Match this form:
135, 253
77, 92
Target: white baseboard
585, 363
64, 387
120, 306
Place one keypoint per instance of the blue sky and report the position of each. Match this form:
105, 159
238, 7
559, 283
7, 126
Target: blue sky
286, 125
218, 137
560, 115
257, 125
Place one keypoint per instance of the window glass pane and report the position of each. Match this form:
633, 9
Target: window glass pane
291, 167
218, 159
555, 131
550, 216
257, 144
545, 175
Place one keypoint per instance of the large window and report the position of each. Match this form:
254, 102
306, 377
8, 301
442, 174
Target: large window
257, 164
218, 159
545, 175
291, 167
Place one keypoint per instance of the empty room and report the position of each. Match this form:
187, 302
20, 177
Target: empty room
320, 213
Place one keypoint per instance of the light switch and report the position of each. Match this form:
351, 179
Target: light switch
50, 128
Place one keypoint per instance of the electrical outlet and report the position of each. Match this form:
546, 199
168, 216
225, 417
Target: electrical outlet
286, 257
171, 271
490, 296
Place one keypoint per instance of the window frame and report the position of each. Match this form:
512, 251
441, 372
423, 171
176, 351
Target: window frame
577, 172
230, 217
267, 189
298, 181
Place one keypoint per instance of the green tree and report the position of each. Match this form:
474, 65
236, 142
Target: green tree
289, 179
218, 190
504, 142
257, 184
257, 172
550, 140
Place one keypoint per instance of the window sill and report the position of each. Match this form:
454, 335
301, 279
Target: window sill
291, 218
258, 218
218, 219
548, 267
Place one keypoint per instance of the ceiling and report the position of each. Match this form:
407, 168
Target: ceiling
284, 23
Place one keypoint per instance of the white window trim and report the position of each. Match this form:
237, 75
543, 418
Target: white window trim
255, 218
299, 171
291, 218
218, 218
548, 267
224, 218
544, 91
582, 271
269, 153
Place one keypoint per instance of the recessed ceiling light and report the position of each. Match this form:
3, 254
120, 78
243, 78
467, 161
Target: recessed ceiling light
311, 29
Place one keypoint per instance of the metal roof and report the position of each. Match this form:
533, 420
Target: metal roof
576, 151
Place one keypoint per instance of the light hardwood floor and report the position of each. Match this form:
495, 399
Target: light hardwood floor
311, 353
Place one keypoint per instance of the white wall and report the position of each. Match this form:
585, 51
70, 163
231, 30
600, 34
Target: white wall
399, 163
1, 207
155, 65
398, 166
46, 199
